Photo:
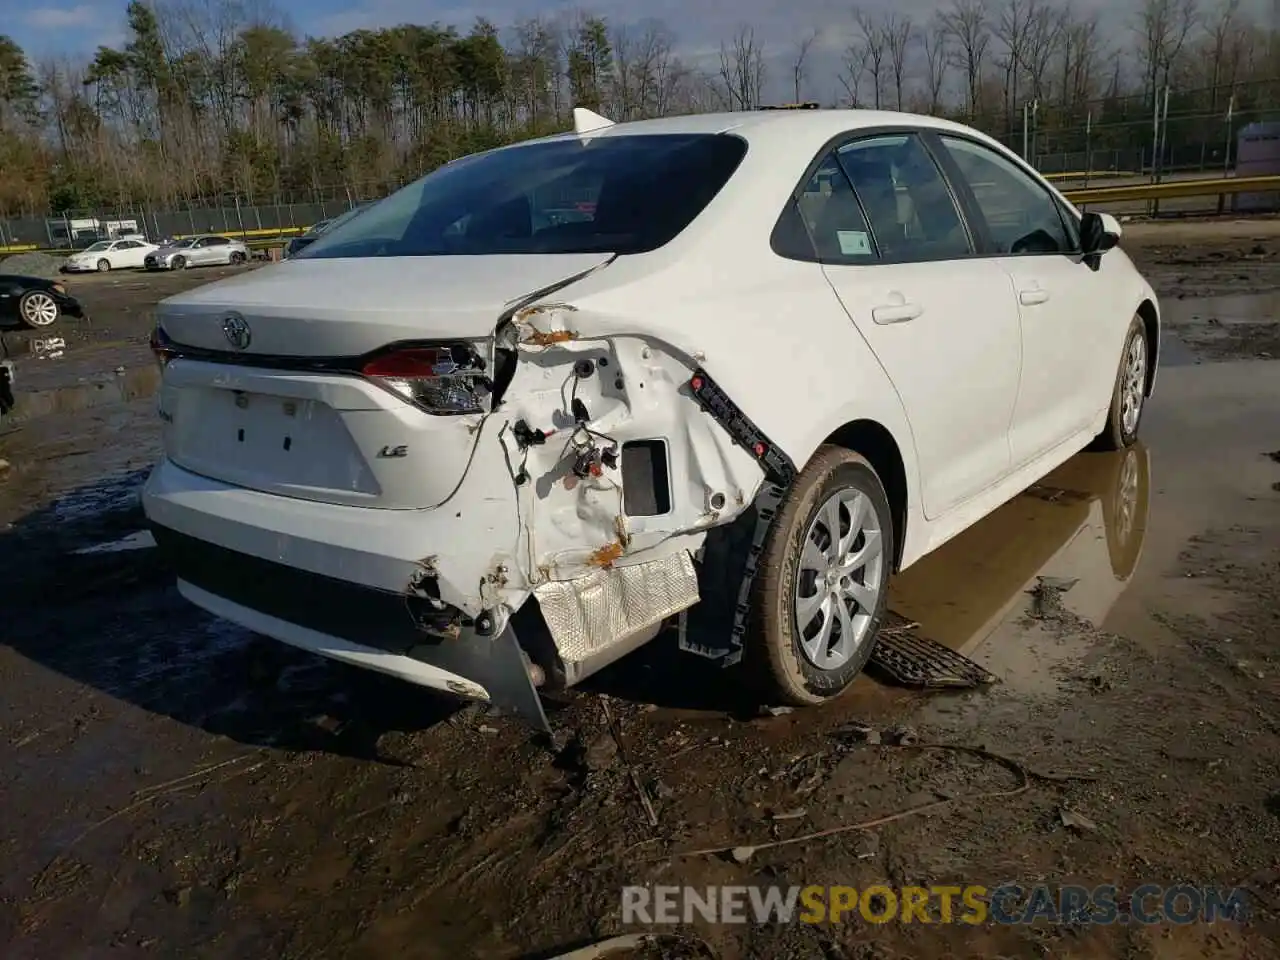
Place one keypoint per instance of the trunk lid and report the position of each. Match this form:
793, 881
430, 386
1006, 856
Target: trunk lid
330, 436
341, 308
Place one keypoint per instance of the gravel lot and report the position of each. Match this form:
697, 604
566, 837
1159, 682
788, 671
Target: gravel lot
174, 787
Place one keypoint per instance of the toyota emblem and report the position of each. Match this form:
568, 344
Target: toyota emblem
237, 331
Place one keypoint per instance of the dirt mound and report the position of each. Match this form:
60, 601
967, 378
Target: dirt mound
32, 265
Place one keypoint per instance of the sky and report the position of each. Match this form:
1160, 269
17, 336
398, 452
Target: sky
45, 27
77, 27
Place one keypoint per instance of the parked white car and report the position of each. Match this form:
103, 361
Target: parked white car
782, 355
127, 254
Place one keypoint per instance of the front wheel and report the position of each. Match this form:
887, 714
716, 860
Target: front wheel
38, 309
1129, 395
179, 263
237, 258
104, 265
823, 584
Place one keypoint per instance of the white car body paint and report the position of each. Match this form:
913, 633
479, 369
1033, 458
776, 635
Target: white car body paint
980, 392
125, 254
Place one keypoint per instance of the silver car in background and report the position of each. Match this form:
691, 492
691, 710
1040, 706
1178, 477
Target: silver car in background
201, 251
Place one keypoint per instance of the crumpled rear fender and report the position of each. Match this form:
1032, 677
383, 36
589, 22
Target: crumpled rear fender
590, 401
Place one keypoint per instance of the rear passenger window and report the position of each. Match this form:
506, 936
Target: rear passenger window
834, 219
908, 205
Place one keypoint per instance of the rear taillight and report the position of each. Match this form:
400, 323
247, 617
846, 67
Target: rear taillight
446, 379
161, 347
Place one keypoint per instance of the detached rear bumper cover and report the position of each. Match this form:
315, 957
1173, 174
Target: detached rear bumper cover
377, 549
355, 624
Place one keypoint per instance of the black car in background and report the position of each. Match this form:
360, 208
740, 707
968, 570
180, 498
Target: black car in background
300, 243
35, 302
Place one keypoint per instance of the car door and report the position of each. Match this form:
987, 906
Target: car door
128, 253
942, 322
217, 250
1063, 311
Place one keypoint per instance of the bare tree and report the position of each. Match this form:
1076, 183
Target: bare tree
969, 26
1162, 27
1012, 30
742, 70
876, 47
853, 66
1045, 25
936, 42
661, 73
799, 66
1224, 46
898, 33
1078, 58
652, 69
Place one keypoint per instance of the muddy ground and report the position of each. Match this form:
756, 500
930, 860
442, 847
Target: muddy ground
175, 788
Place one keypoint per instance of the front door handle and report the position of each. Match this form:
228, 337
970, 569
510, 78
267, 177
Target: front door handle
896, 312
1029, 298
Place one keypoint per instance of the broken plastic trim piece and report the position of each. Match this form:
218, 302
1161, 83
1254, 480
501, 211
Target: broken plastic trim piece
722, 550
773, 461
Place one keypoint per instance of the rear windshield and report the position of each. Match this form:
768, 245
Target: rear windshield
621, 194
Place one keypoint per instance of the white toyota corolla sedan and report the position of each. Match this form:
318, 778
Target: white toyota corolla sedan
744, 365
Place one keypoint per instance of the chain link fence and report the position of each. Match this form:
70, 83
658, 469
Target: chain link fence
1126, 139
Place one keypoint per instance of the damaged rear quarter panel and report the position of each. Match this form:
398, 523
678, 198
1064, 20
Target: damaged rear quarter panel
780, 345
636, 389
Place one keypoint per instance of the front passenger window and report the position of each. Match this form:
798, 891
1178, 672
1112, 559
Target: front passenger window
1022, 216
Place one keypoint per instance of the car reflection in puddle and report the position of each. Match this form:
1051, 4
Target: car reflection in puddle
1083, 525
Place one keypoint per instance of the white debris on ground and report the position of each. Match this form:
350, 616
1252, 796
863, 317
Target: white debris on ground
135, 541
32, 265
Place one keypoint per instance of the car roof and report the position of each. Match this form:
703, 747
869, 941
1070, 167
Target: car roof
756, 125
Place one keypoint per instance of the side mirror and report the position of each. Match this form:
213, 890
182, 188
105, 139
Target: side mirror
1099, 232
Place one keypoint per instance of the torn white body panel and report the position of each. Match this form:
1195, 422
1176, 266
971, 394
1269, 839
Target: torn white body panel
592, 398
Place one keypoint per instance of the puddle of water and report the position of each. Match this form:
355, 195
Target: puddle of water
131, 383
1113, 522
1231, 327
1085, 522
1175, 353
1238, 308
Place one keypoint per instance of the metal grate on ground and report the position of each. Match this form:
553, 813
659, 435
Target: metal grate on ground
907, 658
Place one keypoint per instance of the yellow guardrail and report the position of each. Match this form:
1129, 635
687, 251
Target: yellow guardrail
264, 237
1081, 195
1173, 189
1091, 175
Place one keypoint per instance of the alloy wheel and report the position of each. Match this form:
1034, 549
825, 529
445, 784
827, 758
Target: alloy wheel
39, 309
841, 575
1133, 388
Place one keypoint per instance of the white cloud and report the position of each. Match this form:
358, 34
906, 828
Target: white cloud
61, 18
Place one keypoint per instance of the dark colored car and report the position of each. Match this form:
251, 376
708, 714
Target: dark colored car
35, 301
300, 243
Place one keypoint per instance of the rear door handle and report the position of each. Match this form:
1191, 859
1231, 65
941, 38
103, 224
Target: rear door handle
1029, 298
896, 312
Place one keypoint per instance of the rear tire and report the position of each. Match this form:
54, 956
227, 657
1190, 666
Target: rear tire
1128, 396
839, 590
